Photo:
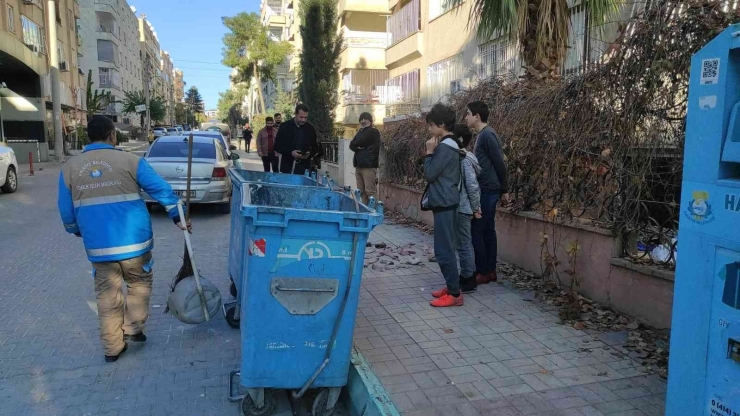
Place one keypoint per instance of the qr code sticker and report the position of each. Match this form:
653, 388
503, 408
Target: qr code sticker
709, 71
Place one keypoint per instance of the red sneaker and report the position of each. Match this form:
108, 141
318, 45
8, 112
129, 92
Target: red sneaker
441, 292
447, 301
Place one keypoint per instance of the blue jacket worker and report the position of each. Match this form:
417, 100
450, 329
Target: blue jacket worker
100, 201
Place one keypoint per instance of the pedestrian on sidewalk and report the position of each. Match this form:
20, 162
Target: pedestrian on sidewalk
99, 201
297, 142
469, 208
266, 145
366, 146
247, 134
494, 186
278, 120
442, 171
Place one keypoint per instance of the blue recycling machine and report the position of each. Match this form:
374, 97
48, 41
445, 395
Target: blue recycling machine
297, 253
704, 366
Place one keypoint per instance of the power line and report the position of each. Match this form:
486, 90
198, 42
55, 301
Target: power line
199, 62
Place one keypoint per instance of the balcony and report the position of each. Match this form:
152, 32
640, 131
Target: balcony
363, 50
405, 50
365, 6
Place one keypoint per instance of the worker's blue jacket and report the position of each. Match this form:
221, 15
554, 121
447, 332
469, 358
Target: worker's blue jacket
100, 199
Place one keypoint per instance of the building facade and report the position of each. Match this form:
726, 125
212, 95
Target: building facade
25, 80
362, 70
179, 87
110, 32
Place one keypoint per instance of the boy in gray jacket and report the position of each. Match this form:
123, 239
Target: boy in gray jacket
442, 171
469, 209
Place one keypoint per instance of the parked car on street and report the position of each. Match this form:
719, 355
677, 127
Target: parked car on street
173, 131
157, 132
186, 127
215, 135
8, 169
221, 127
210, 183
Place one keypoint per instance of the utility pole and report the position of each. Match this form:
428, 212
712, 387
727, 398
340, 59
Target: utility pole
56, 95
147, 81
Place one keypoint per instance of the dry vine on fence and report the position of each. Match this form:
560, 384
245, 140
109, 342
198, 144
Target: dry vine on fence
605, 146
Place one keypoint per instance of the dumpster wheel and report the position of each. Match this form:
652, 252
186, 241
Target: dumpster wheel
320, 403
251, 409
231, 319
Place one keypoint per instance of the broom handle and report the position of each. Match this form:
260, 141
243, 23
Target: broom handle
189, 247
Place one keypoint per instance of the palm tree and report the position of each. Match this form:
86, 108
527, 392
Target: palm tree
541, 27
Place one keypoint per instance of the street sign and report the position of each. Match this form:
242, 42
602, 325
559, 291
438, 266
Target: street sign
141, 108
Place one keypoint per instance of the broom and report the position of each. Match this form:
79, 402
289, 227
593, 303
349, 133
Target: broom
187, 269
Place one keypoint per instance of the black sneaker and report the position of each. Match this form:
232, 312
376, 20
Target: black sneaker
140, 337
468, 285
114, 358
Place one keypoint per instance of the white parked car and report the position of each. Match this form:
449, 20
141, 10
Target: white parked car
210, 183
8, 169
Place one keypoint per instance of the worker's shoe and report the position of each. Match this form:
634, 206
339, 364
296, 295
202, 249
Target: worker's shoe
468, 285
114, 358
484, 279
140, 337
441, 292
447, 300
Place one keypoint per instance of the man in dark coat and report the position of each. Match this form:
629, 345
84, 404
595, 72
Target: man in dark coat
297, 142
366, 146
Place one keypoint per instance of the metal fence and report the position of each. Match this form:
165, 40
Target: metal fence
330, 152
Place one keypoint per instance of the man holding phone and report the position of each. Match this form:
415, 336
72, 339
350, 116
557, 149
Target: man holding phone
297, 142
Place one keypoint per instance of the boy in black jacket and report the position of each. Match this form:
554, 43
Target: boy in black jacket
443, 173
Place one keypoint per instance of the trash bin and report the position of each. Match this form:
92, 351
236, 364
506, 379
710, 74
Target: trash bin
239, 177
304, 250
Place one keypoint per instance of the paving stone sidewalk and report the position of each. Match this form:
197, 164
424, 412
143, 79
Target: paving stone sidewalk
499, 354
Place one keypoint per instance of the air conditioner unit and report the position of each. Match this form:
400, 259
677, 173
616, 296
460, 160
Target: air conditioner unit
63, 67
33, 48
27, 1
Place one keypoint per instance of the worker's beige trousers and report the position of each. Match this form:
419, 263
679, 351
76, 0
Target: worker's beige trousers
115, 320
367, 183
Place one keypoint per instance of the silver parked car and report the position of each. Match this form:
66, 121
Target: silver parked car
210, 183
215, 135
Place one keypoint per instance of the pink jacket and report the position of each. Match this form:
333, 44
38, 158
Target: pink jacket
262, 142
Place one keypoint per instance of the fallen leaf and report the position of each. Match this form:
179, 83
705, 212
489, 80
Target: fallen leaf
449, 330
543, 371
579, 326
606, 152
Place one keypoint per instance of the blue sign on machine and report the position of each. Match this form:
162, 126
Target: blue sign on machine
704, 367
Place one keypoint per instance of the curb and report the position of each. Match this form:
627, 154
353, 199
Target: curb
364, 394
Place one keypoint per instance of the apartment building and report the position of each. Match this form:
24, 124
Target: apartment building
432, 53
278, 16
110, 30
179, 87
362, 70
168, 86
25, 80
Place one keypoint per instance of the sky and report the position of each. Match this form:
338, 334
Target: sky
191, 31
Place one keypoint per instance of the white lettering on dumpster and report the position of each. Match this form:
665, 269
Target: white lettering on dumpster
278, 346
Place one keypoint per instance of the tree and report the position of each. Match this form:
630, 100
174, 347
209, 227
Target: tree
94, 100
194, 100
181, 113
157, 110
284, 104
248, 48
322, 45
542, 27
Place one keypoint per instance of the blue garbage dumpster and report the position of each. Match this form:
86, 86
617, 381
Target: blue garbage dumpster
301, 269
239, 177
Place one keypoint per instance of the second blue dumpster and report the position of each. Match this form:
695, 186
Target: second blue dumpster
305, 250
